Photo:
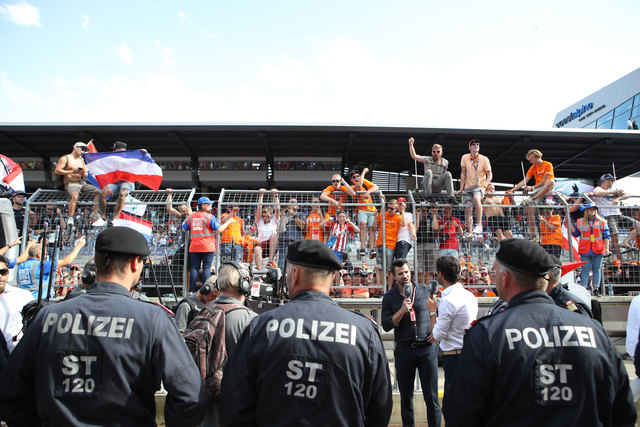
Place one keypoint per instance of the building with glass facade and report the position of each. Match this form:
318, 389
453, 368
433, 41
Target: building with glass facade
608, 108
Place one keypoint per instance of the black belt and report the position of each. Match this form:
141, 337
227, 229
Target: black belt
415, 344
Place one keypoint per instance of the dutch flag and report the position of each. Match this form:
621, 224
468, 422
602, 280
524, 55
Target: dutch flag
128, 165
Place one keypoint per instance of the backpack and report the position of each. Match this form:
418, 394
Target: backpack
205, 338
192, 313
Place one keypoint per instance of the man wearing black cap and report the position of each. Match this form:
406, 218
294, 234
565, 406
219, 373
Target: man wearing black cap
536, 363
322, 364
608, 201
99, 359
19, 210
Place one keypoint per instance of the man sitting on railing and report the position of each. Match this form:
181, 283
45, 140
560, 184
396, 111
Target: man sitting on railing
542, 171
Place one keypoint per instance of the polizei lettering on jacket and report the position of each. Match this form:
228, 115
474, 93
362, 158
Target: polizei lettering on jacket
314, 330
98, 326
557, 336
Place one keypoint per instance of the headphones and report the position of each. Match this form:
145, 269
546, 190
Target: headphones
89, 274
244, 284
246, 278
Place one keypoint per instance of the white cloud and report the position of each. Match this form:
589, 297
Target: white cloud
85, 21
125, 53
60, 82
182, 16
211, 35
166, 54
21, 13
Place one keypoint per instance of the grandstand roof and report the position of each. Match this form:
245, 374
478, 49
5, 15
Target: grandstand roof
574, 153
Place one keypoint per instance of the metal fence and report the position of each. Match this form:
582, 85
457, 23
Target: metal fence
165, 271
303, 215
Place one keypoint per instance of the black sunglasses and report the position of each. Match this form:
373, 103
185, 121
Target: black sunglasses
335, 180
4, 271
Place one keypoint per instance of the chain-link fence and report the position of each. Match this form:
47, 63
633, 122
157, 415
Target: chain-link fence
267, 222
156, 214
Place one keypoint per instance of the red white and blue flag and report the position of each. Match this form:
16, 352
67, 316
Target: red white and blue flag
128, 165
141, 225
11, 174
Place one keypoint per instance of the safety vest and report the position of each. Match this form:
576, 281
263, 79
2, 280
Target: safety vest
202, 236
591, 240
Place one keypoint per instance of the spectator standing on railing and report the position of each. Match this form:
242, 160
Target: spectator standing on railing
499, 224
366, 211
267, 219
436, 177
475, 175
332, 196
608, 200
202, 247
386, 242
183, 210
74, 171
593, 246
232, 237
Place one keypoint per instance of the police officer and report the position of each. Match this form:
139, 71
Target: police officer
321, 364
536, 363
98, 359
562, 297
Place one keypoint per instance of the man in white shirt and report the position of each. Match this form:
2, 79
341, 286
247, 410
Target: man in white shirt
458, 308
12, 299
608, 201
406, 233
267, 219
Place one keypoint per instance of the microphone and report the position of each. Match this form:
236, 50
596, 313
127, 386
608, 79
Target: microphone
408, 290
433, 287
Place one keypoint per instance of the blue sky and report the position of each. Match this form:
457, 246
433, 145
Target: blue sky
464, 64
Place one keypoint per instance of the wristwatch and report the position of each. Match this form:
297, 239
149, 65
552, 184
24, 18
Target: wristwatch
432, 313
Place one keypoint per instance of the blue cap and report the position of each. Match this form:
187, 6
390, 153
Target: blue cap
589, 205
606, 176
204, 199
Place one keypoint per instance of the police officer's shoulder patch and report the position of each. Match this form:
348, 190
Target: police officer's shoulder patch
165, 309
570, 305
364, 315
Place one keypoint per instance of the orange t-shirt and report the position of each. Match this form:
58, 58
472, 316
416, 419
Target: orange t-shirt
314, 231
549, 236
249, 243
540, 171
476, 171
391, 224
233, 232
365, 198
341, 198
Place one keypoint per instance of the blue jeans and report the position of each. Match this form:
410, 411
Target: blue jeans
452, 252
425, 360
449, 363
231, 252
402, 249
388, 254
594, 263
198, 258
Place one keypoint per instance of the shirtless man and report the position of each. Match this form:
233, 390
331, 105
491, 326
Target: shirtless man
183, 210
74, 171
475, 175
496, 220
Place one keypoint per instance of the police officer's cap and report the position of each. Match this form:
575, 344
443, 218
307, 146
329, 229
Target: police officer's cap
525, 257
314, 254
122, 240
556, 261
